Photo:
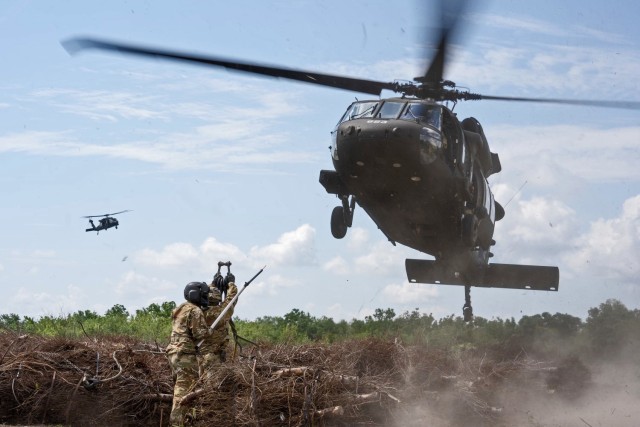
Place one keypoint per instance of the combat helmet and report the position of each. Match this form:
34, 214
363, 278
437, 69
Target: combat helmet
197, 293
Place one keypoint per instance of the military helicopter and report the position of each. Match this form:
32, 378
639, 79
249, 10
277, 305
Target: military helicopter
106, 221
411, 164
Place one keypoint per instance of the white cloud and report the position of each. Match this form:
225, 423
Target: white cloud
570, 67
270, 286
537, 27
295, 247
39, 254
49, 304
588, 153
201, 148
543, 221
133, 283
535, 231
44, 253
337, 265
611, 248
172, 255
336, 312
357, 238
102, 105
163, 101
382, 259
207, 130
292, 248
214, 251
410, 293
520, 24
180, 254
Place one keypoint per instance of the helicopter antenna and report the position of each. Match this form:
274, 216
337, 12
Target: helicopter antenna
516, 193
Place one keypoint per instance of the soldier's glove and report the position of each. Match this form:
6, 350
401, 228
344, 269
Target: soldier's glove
220, 283
228, 279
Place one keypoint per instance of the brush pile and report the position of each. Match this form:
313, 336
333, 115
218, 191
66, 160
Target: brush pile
374, 382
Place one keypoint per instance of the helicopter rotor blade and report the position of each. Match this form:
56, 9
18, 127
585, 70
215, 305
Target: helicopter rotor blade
627, 105
371, 87
432, 78
100, 216
116, 213
450, 12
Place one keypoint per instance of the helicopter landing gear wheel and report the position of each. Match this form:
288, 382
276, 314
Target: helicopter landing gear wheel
342, 216
469, 230
467, 310
338, 224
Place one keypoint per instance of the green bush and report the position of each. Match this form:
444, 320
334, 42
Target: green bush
608, 328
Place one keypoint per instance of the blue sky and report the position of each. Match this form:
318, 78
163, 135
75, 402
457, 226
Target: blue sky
222, 166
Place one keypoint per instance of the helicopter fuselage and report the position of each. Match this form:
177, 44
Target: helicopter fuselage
408, 164
104, 224
421, 175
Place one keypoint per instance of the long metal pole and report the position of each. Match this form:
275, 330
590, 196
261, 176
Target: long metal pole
228, 307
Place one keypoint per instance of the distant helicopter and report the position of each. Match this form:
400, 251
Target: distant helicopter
416, 169
106, 221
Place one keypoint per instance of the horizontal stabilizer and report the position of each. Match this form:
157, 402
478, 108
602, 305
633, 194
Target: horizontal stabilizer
510, 276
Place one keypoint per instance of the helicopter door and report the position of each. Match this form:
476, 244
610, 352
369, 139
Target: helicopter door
454, 148
484, 207
478, 189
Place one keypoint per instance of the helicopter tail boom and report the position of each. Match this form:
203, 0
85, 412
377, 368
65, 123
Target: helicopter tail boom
93, 226
507, 276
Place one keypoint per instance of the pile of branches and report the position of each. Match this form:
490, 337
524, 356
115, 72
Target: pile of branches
71, 382
117, 381
344, 383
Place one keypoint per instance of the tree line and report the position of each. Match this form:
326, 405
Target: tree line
607, 328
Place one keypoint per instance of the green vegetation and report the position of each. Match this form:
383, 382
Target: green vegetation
148, 324
608, 328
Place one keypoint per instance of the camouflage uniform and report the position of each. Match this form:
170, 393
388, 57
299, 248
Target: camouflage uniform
214, 348
188, 328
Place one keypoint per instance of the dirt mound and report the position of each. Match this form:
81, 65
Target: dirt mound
117, 381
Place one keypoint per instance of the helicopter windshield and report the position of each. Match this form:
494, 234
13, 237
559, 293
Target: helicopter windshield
428, 114
390, 110
359, 110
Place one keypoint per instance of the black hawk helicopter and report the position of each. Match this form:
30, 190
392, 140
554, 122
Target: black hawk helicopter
411, 164
106, 221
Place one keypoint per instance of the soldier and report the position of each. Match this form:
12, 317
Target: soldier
188, 328
213, 350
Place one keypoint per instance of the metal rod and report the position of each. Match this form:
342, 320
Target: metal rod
228, 307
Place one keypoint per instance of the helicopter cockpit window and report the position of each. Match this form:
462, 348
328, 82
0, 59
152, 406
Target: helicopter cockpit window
360, 110
390, 110
423, 113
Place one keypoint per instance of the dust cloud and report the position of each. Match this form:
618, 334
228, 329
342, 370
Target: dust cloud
602, 391
611, 399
